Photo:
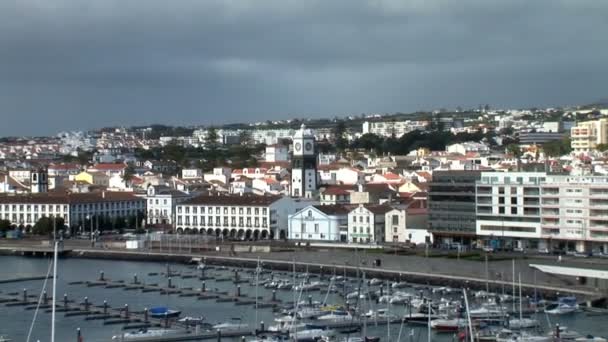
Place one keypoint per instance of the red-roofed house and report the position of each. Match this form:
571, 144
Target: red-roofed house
366, 223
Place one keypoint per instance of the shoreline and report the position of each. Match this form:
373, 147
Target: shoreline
422, 278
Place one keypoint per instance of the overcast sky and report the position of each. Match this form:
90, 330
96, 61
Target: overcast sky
74, 64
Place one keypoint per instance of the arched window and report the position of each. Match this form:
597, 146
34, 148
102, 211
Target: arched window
310, 213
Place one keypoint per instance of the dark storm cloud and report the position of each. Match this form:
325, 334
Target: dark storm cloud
69, 64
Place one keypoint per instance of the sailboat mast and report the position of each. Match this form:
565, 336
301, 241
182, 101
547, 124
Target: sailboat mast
520, 305
54, 292
466, 305
513, 282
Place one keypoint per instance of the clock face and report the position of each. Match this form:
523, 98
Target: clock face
298, 146
308, 146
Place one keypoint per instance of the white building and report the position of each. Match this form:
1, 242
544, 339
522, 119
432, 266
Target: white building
468, 147
161, 202
78, 210
220, 174
341, 175
192, 173
408, 223
319, 223
366, 223
390, 128
236, 216
539, 210
276, 153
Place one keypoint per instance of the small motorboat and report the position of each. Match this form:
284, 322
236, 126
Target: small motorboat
564, 305
163, 312
230, 326
336, 316
524, 323
448, 325
375, 282
188, 320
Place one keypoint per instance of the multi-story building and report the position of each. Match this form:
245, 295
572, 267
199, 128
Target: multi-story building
320, 222
366, 223
304, 164
540, 210
451, 205
393, 128
77, 209
587, 135
162, 201
236, 216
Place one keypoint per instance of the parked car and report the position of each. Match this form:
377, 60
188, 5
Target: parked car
543, 250
519, 249
488, 249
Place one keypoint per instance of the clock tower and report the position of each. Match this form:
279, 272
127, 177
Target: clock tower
304, 164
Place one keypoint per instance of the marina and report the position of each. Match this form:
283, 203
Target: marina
108, 299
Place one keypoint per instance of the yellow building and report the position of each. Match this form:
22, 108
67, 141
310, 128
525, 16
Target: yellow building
93, 178
587, 135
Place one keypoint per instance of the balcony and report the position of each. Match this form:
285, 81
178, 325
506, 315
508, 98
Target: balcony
550, 212
598, 203
484, 200
598, 192
598, 213
484, 190
531, 201
551, 191
531, 192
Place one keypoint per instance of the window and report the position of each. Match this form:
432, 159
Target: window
194, 209
513, 200
514, 210
187, 210
501, 200
316, 228
395, 230
233, 211
501, 210
248, 211
240, 211
395, 219
501, 190
217, 210
179, 210
257, 211
264, 211
202, 220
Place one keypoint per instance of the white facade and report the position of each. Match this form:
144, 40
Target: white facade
344, 175
401, 227
366, 225
220, 174
236, 217
161, 204
548, 211
466, 147
390, 128
192, 173
276, 153
319, 224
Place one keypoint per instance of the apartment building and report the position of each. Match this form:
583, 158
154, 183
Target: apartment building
236, 216
540, 210
585, 136
162, 201
393, 128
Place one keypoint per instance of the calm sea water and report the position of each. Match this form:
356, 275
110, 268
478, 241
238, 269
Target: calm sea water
15, 322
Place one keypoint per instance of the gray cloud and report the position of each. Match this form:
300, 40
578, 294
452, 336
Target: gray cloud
68, 64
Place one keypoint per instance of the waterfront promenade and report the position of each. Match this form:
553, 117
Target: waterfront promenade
432, 270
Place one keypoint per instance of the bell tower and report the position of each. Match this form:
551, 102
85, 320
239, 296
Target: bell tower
304, 164
39, 181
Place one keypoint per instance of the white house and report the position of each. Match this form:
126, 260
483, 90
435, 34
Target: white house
192, 173
162, 201
408, 223
366, 223
266, 186
221, 174
276, 153
343, 175
466, 147
319, 223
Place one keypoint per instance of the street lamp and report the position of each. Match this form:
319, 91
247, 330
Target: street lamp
90, 218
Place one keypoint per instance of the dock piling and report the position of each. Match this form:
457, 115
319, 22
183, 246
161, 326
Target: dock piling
219, 335
238, 290
145, 314
169, 285
86, 303
101, 276
24, 295
127, 311
203, 287
65, 300
78, 335
105, 307
274, 295
135, 280
45, 298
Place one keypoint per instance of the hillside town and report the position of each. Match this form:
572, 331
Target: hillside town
516, 180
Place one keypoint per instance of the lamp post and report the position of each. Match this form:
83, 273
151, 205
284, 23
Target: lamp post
90, 218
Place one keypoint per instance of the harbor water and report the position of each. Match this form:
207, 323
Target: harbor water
15, 322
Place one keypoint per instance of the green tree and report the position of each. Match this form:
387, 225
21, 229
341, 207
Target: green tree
602, 147
211, 143
245, 138
515, 150
128, 175
5, 225
339, 132
44, 226
557, 148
